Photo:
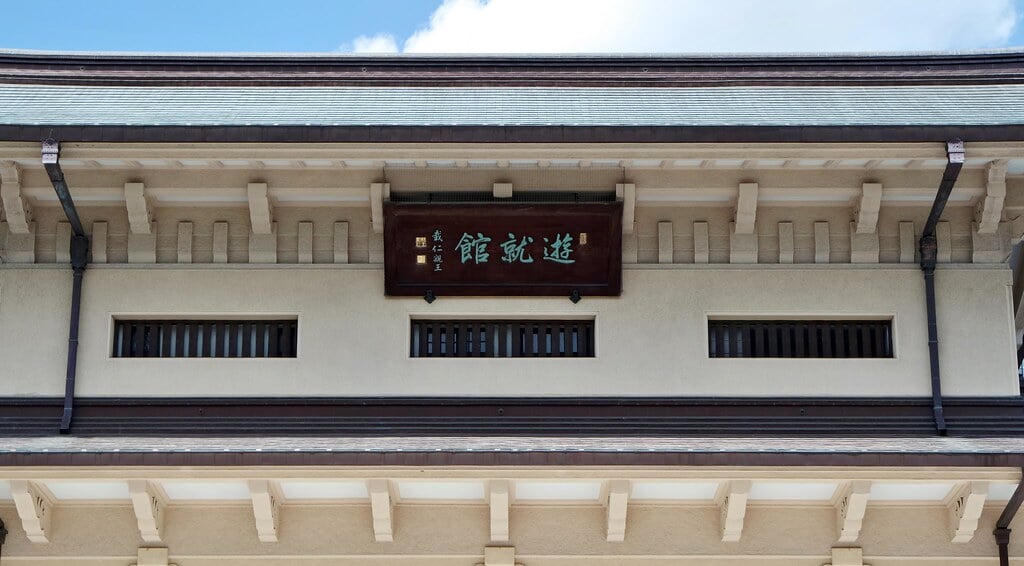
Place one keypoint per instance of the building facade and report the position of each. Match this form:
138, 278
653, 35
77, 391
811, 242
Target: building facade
541, 311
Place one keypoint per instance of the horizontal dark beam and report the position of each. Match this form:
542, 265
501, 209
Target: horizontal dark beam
510, 134
442, 458
459, 416
431, 70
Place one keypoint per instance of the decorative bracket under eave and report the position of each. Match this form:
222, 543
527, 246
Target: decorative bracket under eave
149, 503
616, 502
382, 508
266, 508
732, 501
35, 507
851, 504
990, 208
18, 211
499, 498
965, 503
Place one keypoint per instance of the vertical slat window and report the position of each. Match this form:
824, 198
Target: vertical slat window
501, 338
205, 338
800, 339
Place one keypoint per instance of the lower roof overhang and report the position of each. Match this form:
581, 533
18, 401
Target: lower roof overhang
513, 451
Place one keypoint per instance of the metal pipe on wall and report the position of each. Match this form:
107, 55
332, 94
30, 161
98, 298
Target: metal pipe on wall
1002, 530
928, 247
79, 261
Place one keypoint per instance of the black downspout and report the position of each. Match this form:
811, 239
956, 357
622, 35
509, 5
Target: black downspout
79, 260
1002, 531
929, 256
3, 535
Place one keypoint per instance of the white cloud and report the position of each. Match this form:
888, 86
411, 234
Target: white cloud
380, 43
726, 26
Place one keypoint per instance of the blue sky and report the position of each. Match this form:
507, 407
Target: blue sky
539, 26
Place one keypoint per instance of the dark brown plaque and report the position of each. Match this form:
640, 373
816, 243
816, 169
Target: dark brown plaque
503, 249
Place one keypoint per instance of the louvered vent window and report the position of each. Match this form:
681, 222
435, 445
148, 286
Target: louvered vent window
800, 338
502, 338
205, 338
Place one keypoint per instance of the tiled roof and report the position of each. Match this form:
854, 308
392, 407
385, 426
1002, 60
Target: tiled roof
922, 105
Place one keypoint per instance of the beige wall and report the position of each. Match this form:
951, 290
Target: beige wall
651, 341
542, 535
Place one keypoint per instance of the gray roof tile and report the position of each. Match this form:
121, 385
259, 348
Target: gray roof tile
953, 105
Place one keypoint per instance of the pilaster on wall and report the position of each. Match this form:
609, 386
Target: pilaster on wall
341, 242
19, 247
666, 244
184, 242
989, 248
787, 251
98, 245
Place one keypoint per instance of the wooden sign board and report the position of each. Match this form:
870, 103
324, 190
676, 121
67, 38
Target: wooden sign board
503, 249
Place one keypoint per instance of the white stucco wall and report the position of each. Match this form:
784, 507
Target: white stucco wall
353, 341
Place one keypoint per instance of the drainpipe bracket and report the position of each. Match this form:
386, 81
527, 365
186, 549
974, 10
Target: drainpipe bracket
929, 248
79, 252
1002, 535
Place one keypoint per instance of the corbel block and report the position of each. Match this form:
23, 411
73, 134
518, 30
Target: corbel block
742, 247
822, 245
379, 192
149, 504
908, 243
20, 246
746, 208
986, 248
732, 502
260, 211
153, 557
62, 242
16, 208
786, 247
305, 242
666, 247
499, 497
184, 242
142, 247
98, 245
499, 556
965, 505
847, 557
863, 247
382, 508
263, 247
140, 214
35, 509
990, 208
701, 247
626, 193
866, 215
220, 242
341, 242
502, 190
851, 504
266, 508
616, 503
